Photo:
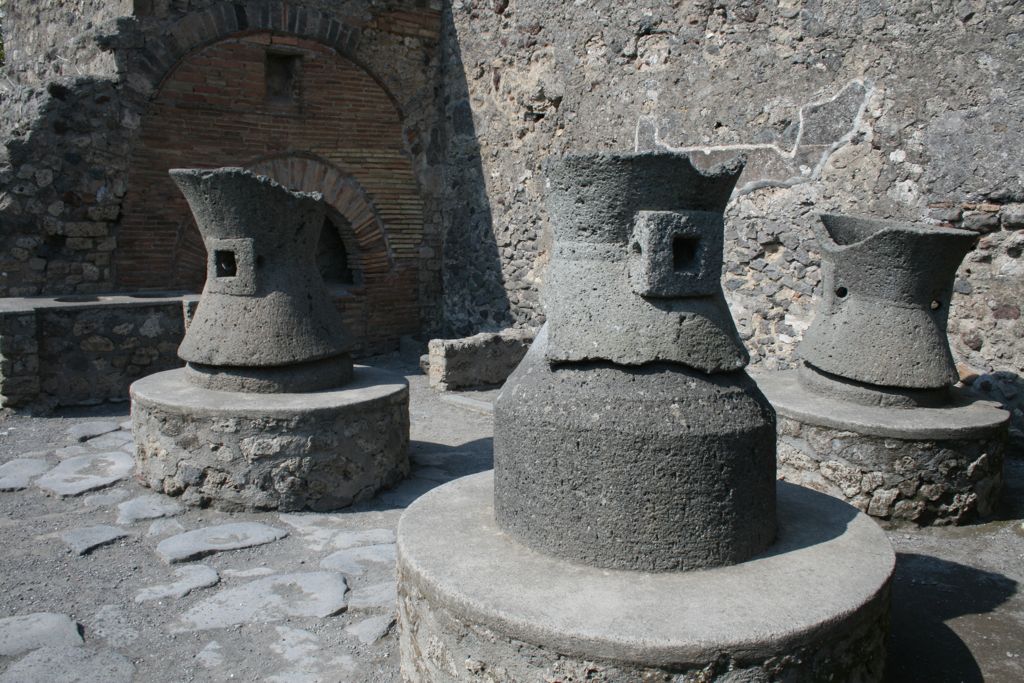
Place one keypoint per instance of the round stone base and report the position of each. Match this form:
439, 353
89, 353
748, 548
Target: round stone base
237, 451
901, 465
474, 605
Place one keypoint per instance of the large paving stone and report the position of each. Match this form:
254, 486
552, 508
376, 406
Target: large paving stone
274, 598
381, 594
372, 629
353, 561
323, 532
89, 538
90, 430
190, 578
110, 442
17, 474
201, 542
83, 473
152, 506
70, 665
42, 629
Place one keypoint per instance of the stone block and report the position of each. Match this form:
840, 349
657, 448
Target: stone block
484, 359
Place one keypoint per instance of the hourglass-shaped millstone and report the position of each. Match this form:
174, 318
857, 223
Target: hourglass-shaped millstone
265, 322
885, 300
630, 436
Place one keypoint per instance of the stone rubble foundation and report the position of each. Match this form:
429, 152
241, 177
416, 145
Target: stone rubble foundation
235, 451
902, 466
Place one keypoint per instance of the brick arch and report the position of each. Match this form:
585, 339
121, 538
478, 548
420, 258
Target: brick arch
343, 193
202, 27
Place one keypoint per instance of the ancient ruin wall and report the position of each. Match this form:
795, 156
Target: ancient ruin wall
69, 134
904, 110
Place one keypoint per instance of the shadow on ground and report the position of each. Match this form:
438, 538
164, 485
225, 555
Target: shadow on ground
433, 464
927, 593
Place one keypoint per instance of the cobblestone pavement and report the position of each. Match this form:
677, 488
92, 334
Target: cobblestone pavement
102, 579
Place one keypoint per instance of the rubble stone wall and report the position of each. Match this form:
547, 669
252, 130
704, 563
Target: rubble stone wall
893, 110
55, 353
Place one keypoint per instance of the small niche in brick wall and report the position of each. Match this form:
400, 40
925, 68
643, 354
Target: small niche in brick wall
282, 77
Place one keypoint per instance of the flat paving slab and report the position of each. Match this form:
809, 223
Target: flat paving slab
31, 631
958, 606
198, 543
82, 473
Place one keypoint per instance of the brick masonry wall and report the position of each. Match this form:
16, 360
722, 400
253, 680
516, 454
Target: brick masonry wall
214, 110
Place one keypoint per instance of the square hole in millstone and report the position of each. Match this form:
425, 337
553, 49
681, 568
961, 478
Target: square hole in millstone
224, 263
684, 252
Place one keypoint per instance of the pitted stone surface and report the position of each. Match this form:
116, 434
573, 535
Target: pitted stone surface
900, 465
274, 598
198, 543
483, 359
189, 578
146, 507
17, 474
83, 473
89, 538
71, 664
644, 231
655, 468
30, 631
264, 303
520, 614
319, 451
963, 418
887, 288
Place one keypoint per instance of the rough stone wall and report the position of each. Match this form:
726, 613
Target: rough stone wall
68, 133
80, 353
906, 110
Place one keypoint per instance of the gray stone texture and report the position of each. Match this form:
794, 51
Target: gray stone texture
505, 613
17, 474
189, 578
849, 108
70, 665
90, 430
42, 629
634, 277
236, 451
87, 539
886, 291
197, 543
83, 473
371, 629
274, 598
264, 304
84, 349
353, 561
483, 359
656, 468
903, 466
955, 481
962, 417
146, 507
